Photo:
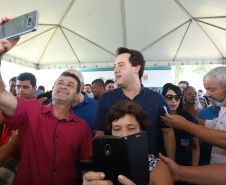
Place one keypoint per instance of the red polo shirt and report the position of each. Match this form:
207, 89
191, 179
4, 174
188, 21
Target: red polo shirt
50, 148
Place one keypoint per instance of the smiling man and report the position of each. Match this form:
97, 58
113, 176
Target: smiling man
129, 68
52, 138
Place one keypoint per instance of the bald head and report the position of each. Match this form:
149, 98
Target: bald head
79, 75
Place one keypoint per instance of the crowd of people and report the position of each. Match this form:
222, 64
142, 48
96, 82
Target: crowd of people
45, 134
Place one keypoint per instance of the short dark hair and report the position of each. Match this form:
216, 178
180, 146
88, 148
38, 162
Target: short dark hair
13, 79
99, 82
108, 82
27, 76
87, 85
136, 58
184, 82
41, 87
73, 76
177, 90
122, 108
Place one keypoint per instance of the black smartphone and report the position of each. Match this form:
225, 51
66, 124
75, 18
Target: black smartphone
120, 155
20, 25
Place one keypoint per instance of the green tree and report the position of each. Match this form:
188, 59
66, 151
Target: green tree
201, 70
178, 70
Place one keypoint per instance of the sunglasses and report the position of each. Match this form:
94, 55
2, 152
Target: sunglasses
169, 97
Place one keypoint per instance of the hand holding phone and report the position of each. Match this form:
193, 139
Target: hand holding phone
164, 107
19, 26
115, 156
6, 45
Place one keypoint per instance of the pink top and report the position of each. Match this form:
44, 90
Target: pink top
50, 148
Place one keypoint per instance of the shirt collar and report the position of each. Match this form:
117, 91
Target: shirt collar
48, 108
122, 94
87, 99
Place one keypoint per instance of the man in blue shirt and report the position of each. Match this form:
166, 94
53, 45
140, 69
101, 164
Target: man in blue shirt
129, 68
85, 107
209, 113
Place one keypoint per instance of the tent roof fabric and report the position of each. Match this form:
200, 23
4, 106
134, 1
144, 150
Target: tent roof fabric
87, 33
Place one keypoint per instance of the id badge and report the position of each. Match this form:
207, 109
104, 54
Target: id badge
185, 142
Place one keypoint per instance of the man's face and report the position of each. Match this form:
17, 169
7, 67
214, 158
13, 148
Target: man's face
65, 89
87, 89
12, 88
215, 91
124, 71
24, 89
182, 86
110, 87
96, 89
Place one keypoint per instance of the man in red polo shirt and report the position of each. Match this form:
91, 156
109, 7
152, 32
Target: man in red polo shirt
53, 138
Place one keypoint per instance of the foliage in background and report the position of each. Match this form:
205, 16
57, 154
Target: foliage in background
201, 70
178, 70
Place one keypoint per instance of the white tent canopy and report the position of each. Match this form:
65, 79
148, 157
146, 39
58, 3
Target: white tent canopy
86, 33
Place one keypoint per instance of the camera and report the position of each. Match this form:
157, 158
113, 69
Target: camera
29, 21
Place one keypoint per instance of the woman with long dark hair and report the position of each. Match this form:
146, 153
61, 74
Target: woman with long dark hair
187, 146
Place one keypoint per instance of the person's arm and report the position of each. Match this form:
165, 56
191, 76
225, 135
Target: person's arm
195, 149
211, 136
160, 175
200, 121
98, 133
208, 174
42, 100
7, 150
169, 142
8, 102
2, 120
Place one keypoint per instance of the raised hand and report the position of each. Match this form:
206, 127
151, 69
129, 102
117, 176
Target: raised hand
6, 45
175, 121
14, 136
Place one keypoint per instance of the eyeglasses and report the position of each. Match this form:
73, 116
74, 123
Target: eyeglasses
169, 97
